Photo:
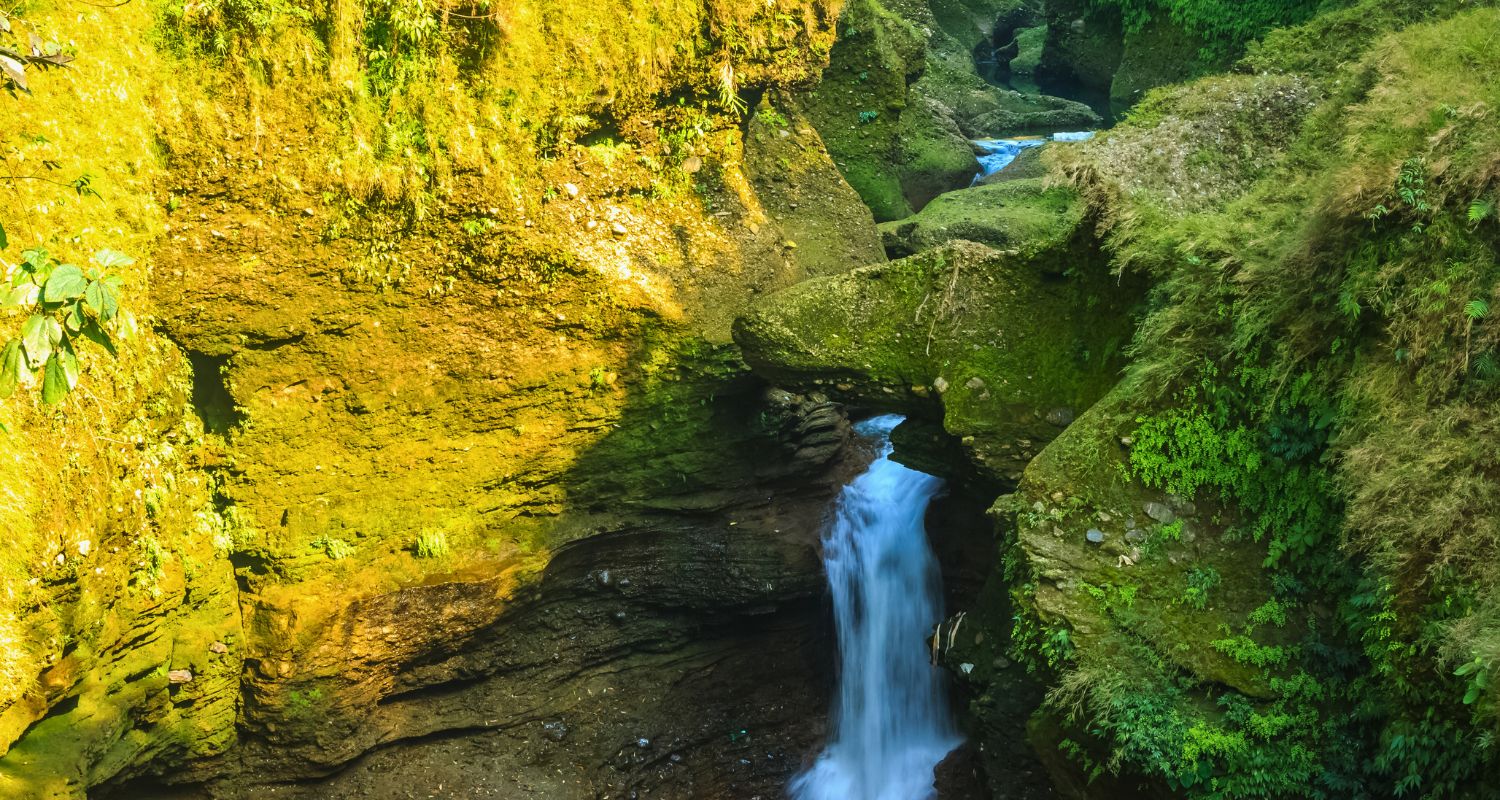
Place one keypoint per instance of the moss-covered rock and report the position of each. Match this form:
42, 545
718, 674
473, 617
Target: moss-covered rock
1159, 53
997, 343
1083, 50
1023, 216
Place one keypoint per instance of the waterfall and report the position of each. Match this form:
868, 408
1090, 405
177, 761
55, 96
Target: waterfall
891, 721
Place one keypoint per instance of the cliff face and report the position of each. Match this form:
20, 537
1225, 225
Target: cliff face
1241, 571
430, 423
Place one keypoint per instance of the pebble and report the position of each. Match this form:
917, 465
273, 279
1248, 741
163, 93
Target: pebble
1095, 536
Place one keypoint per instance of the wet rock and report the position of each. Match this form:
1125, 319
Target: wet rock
180, 676
1094, 536
556, 730
218, 648
1062, 417
1159, 512
957, 776
974, 385
939, 384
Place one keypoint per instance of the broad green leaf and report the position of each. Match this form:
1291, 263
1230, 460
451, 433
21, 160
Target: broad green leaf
111, 259
1466, 668
54, 382
36, 337
4, 242
35, 258
75, 319
10, 368
101, 300
65, 283
69, 361
1471, 695
23, 296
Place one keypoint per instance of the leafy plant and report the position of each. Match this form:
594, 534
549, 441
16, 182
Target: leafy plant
1478, 673
1200, 580
867, 117
332, 547
431, 544
22, 46
1481, 210
68, 305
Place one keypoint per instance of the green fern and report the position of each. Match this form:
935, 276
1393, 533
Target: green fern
1476, 309
1481, 210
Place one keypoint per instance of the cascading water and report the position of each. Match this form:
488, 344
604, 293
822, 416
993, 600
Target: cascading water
891, 722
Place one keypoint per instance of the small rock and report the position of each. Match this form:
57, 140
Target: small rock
1188, 534
1061, 417
571, 190
1095, 536
692, 164
939, 384
1159, 512
643, 743
966, 668
556, 731
619, 616
618, 229
1001, 662
1127, 441
307, 212
180, 676
218, 647
1182, 506
1058, 497
974, 385
1135, 535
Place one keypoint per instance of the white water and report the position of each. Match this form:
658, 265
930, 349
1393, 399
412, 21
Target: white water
996, 154
891, 721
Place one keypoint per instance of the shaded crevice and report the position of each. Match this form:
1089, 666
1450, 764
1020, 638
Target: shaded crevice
211, 398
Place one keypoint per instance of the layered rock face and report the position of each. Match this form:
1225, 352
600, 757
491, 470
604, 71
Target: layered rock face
464, 448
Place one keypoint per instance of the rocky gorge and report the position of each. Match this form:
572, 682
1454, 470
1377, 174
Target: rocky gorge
483, 375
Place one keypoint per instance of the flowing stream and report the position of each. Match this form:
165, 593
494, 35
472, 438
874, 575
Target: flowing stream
891, 721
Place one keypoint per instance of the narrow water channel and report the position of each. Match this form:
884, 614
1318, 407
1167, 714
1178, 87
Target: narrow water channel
891, 722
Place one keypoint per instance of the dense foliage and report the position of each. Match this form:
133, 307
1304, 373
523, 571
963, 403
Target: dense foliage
1226, 25
1320, 362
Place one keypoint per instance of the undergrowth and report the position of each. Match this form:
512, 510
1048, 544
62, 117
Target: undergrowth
1320, 360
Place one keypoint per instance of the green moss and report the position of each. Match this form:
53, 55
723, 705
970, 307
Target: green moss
1002, 339
1021, 215
1301, 380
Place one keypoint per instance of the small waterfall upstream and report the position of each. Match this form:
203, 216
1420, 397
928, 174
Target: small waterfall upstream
891, 721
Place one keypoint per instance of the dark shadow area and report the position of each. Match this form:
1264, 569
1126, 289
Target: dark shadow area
211, 398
